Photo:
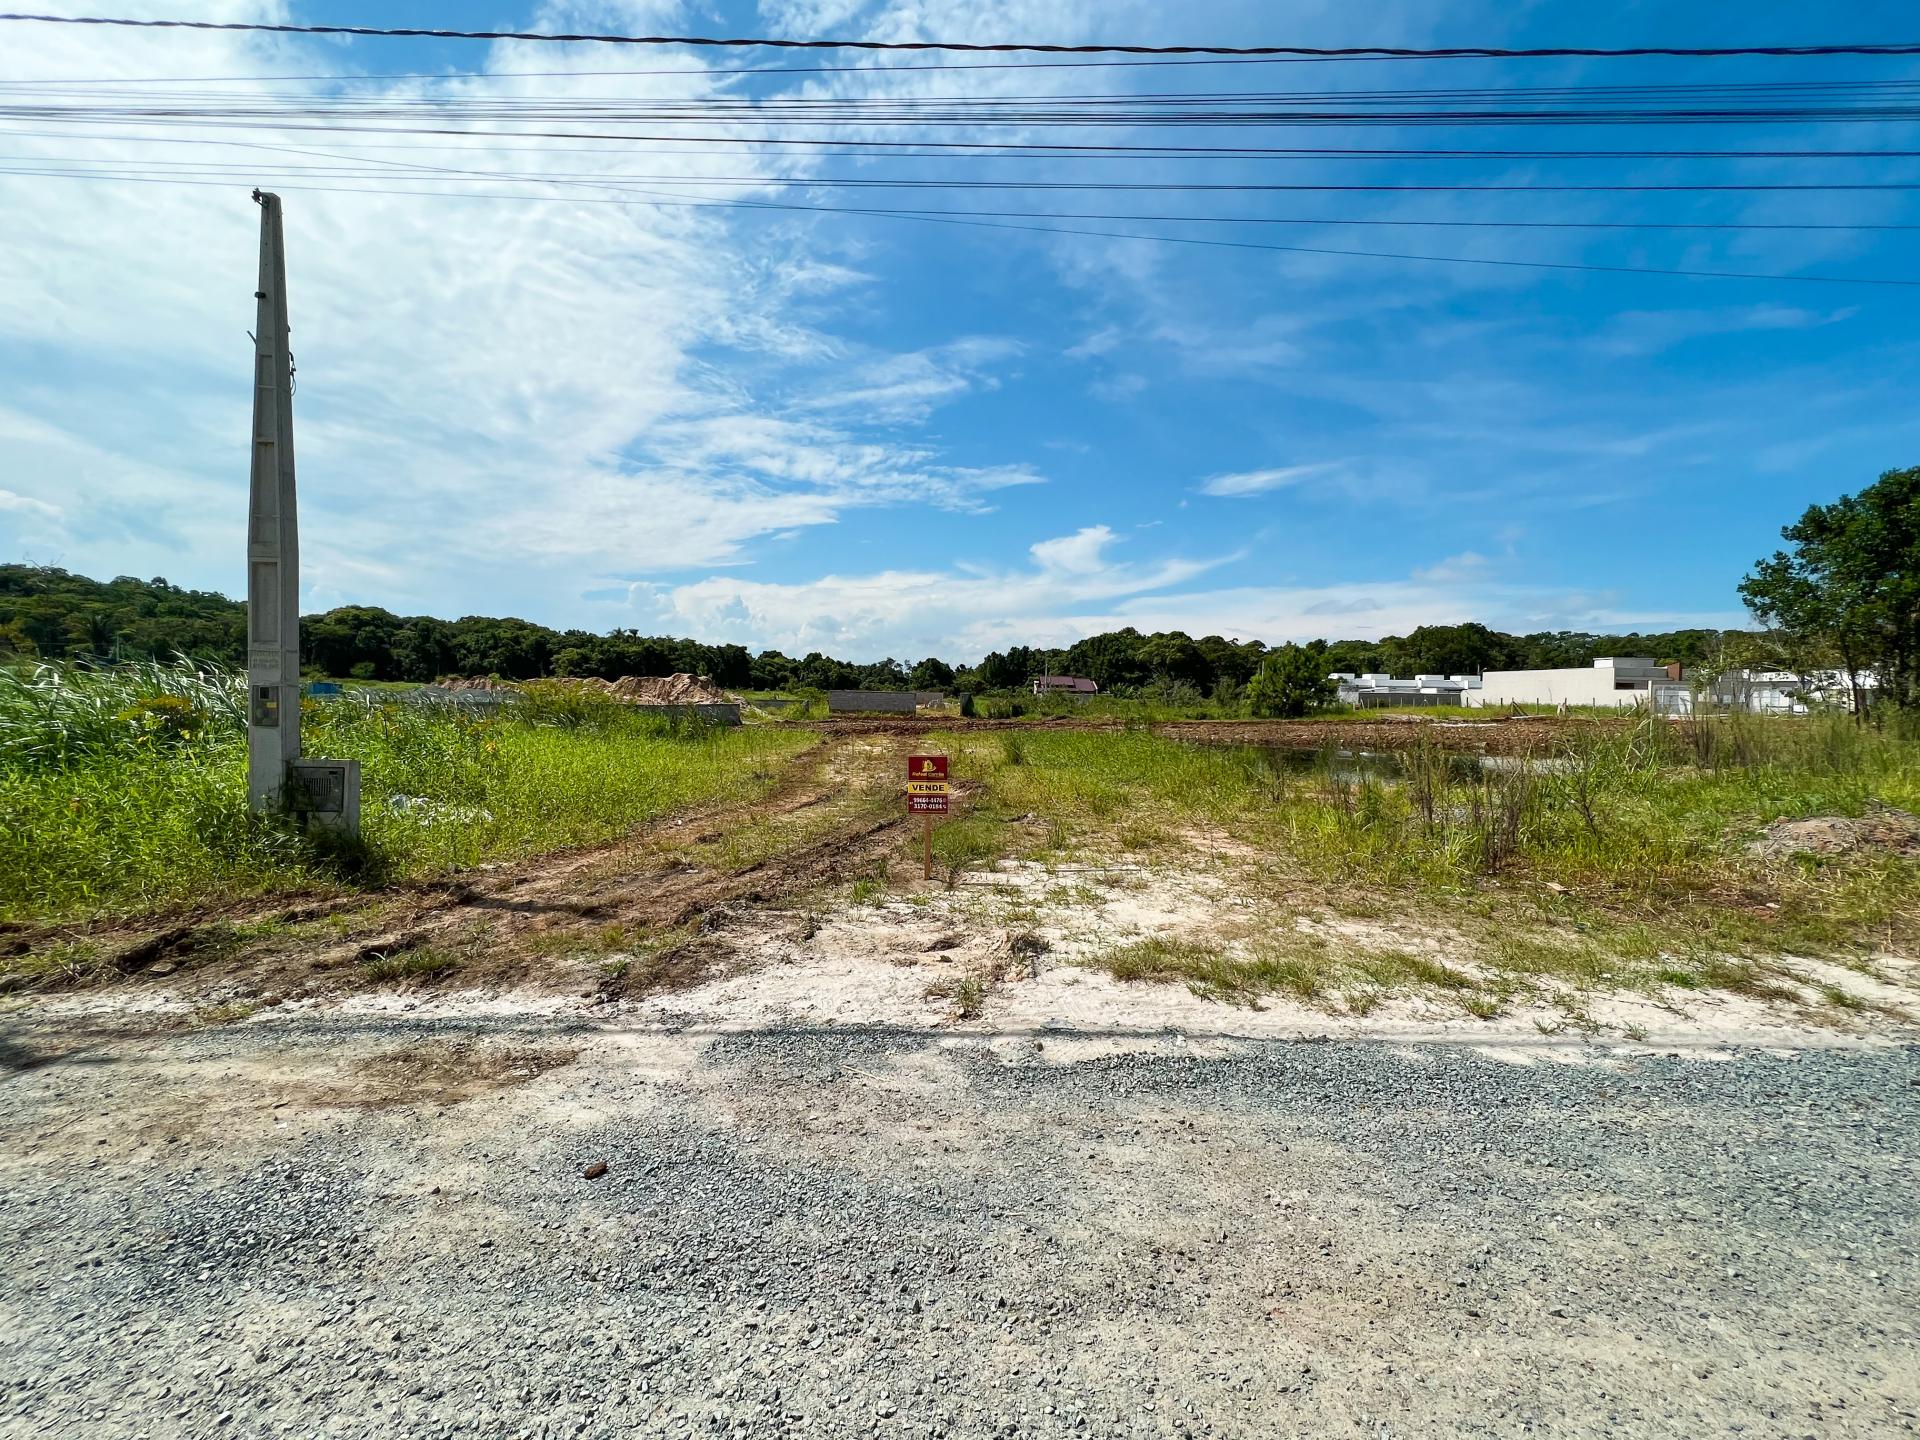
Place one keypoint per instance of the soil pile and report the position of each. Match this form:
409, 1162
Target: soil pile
1882, 829
681, 689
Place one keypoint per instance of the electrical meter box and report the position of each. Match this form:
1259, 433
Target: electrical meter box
326, 793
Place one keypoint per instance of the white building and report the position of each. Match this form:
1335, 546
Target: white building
1780, 692
1373, 691
1622, 680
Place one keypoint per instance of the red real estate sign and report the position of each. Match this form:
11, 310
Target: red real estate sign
927, 787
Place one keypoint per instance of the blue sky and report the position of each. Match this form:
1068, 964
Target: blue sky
878, 436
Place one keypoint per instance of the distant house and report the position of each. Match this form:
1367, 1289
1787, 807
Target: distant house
1780, 692
1378, 691
1063, 685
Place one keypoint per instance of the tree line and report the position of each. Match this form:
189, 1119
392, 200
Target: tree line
1844, 595
53, 614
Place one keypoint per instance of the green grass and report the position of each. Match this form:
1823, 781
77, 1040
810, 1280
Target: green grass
424, 963
964, 842
1277, 959
1621, 863
56, 967
112, 802
967, 991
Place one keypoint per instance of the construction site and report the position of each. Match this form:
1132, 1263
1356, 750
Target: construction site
1235, 992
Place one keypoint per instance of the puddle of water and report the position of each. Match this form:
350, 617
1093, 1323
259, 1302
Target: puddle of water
1380, 766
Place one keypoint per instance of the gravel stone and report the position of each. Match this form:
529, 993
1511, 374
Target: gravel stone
825, 1232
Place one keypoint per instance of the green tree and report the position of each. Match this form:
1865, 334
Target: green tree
931, 674
1454, 650
1354, 657
1231, 661
1291, 681
1007, 671
14, 640
1111, 660
1174, 656
1852, 581
771, 671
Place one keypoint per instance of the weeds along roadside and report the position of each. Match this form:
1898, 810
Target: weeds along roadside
123, 790
1619, 860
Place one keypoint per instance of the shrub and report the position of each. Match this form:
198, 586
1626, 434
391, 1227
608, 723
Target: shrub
1291, 681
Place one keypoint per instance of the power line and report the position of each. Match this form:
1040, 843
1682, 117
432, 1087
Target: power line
1252, 187
1359, 52
1011, 150
802, 182
119, 86
1241, 111
49, 166
943, 219
575, 74
887, 68
598, 179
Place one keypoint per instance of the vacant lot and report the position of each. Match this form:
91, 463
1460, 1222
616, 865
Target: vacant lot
1632, 878
1204, 1089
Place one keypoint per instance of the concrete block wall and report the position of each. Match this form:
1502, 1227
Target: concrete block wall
871, 702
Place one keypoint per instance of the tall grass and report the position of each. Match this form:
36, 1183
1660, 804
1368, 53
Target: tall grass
1630, 822
124, 790
57, 714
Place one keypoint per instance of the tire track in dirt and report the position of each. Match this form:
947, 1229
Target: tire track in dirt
528, 911
515, 922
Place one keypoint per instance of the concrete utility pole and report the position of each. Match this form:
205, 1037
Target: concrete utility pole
273, 535
324, 793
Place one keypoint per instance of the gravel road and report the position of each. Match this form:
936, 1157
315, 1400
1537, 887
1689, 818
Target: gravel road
381, 1225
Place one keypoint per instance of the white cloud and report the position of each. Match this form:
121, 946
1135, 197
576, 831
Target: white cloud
1080, 553
1646, 332
501, 403
1118, 389
917, 612
906, 389
1099, 343
27, 505
1467, 565
1260, 482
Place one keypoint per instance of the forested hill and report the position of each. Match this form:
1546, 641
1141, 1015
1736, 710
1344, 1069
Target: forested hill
51, 613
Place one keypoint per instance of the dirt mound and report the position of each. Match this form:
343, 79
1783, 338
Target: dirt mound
681, 689
1883, 829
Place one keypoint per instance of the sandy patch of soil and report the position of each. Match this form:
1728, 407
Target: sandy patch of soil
1008, 956
1027, 931
1883, 829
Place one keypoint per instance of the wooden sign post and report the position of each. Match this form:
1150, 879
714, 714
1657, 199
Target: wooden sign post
927, 795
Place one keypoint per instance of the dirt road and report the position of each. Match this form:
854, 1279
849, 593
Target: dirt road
379, 1223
